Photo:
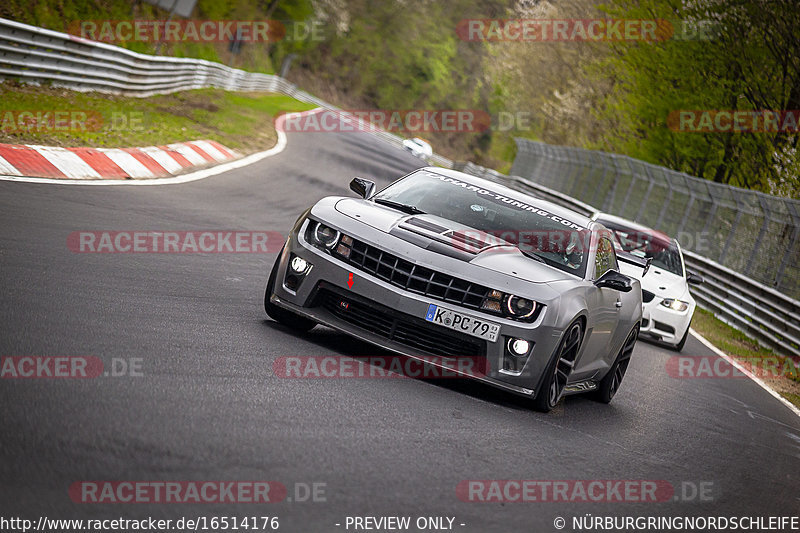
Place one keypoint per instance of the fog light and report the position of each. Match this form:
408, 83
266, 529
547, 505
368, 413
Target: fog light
519, 346
517, 354
292, 282
299, 265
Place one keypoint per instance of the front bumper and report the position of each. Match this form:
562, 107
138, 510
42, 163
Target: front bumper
664, 324
325, 286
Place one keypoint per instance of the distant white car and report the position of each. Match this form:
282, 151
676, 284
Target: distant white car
667, 306
418, 147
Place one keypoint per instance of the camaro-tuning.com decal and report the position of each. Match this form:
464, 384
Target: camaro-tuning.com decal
506, 200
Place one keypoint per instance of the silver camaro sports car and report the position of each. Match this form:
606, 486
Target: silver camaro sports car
440, 265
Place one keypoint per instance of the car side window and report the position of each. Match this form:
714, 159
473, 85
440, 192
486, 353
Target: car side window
613, 256
605, 259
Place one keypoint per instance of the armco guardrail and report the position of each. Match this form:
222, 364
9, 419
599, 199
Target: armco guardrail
763, 313
38, 55
749, 232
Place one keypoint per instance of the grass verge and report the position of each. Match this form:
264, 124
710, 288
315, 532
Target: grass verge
780, 374
242, 121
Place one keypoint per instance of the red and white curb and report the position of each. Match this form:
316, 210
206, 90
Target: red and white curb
110, 163
165, 160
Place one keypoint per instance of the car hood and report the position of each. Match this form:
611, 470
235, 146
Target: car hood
448, 237
660, 282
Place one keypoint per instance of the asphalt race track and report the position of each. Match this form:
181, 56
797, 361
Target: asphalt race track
208, 406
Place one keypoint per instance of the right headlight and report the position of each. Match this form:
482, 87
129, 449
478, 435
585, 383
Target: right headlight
324, 236
675, 305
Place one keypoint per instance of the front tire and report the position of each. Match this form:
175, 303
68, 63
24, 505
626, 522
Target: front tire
558, 371
609, 385
287, 318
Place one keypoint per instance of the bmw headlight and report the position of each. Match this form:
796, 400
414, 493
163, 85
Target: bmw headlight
324, 236
675, 305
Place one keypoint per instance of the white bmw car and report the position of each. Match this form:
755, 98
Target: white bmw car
667, 305
418, 147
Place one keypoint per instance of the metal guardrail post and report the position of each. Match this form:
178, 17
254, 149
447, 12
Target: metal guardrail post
712, 212
667, 201
609, 164
689, 205
732, 233
761, 233
650, 184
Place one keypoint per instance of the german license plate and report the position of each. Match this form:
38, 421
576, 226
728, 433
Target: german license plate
463, 323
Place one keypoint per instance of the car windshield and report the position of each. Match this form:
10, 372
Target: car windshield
537, 232
663, 250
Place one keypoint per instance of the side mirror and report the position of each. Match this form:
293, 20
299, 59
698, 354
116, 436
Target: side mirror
614, 280
362, 187
694, 279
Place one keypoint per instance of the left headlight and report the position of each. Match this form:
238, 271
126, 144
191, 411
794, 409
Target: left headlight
510, 306
520, 307
675, 305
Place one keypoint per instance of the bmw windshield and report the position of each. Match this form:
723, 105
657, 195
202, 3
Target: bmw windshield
664, 251
536, 232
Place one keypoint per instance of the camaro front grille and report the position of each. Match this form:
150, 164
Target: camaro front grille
411, 277
399, 327
647, 296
